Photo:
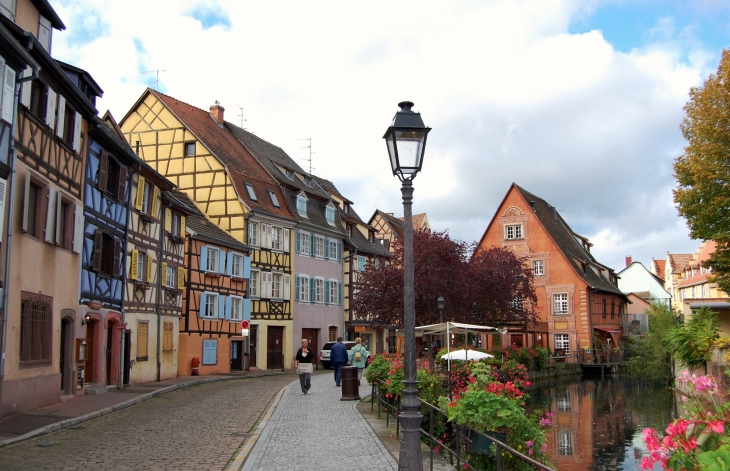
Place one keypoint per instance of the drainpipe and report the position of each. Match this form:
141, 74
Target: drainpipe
158, 304
9, 230
120, 384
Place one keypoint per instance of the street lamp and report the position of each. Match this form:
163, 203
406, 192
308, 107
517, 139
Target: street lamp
406, 141
441, 303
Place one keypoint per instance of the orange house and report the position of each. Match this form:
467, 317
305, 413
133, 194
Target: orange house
579, 305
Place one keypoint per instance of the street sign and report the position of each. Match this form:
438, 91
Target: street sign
244, 332
359, 328
245, 324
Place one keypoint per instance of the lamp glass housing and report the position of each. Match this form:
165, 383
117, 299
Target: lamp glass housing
441, 302
406, 142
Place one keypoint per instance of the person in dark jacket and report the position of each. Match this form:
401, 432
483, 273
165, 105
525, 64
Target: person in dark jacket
338, 357
303, 365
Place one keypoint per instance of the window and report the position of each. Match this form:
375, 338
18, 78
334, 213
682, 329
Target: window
318, 246
274, 199
266, 284
38, 98
565, 442
236, 308
145, 192
251, 193
170, 279
141, 273
36, 330
332, 249
107, 254
210, 352
333, 297
189, 149
693, 292
702, 291
209, 305
302, 205
318, 290
563, 401
111, 177
303, 289
212, 258
562, 343
560, 303
332, 334
361, 263
253, 234
513, 231
176, 229
64, 223
167, 339
69, 126
33, 215
276, 286
330, 214
538, 268
235, 262
304, 243
275, 238
142, 337
253, 284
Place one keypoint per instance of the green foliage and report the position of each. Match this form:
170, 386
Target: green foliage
716, 460
430, 385
651, 358
379, 368
692, 343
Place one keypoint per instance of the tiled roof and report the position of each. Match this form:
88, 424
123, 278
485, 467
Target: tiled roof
205, 229
678, 261
395, 224
705, 252
243, 168
420, 221
363, 245
567, 242
659, 267
693, 280
315, 213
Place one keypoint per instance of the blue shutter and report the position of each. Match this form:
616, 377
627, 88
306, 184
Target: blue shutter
247, 310
204, 258
339, 251
221, 262
326, 296
228, 308
209, 352
299, 242
247, 267
339, 294
326, 248
202, 305
296, 290
312, 290
229, 266
221, 307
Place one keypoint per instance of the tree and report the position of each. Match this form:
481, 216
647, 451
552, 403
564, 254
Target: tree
703, 171
651, 358
692, 343
491, 285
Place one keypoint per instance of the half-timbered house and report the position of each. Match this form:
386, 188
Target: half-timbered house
44, 230
215, 301
197, 151
389, 228
318, 243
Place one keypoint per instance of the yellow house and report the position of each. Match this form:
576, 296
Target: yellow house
197, 151
696, 289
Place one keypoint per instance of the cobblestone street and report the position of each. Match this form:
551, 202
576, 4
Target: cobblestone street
198, 428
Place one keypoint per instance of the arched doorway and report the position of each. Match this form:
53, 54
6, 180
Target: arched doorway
111, 346
66, 355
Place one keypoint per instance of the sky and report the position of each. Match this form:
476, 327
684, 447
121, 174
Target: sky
577, 101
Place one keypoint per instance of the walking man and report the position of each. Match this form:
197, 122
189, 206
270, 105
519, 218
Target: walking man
338, 357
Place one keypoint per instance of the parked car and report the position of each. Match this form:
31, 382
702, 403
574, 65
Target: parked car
324, 354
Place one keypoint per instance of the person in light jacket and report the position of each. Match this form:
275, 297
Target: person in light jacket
360, 362
338, 357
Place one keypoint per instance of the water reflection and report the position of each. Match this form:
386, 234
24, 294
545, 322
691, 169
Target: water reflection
597, 423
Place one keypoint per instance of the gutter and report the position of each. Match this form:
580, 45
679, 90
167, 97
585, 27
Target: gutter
120, 384
158, 302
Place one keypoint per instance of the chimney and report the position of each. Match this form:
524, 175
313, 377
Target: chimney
628, 260
216, 111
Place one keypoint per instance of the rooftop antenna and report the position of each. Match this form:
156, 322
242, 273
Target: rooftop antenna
241, 116
157, 76
310, 152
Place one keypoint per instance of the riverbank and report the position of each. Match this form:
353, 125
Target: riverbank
555, 370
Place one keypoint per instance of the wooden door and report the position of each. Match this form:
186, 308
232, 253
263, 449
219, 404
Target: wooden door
253, 337
109, 340
313, 336
275, 349
236, 355
89, 371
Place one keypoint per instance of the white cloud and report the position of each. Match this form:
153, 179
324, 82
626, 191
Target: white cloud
510, 94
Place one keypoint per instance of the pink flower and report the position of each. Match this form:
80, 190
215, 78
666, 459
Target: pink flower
717, 426
529, 444
545, 422
529, 452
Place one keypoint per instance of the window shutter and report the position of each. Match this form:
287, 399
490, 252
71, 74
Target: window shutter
286, 281
221, 262
286, 240
183, 221
180, 277
149, 268
229, 265
133, 261
228, 308
312, 290
103, 170
98, 247
297, 287
3, 190
247, 267
247, 310
339, 251
51, 108
221, 307
339, 294
204, 258
26, 88
139, 198
78, 242
203, 304
122, 183
26, 200
50, 229
168, 220
61, 121
299, 242
154, 204
326, 294
77, 133
8, 102
250, 234
117, 267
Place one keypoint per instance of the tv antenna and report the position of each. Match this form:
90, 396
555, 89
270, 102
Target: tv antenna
157, 76
310, 152
241, 115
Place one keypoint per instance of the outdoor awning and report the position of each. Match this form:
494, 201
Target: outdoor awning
608, 330
711, 305
455, 328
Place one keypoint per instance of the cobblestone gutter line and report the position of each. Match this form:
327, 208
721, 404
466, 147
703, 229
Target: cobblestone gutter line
123, 405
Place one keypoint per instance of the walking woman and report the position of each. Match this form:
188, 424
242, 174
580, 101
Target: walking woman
303, 364
358, 358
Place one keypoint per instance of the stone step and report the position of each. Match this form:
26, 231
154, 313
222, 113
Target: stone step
96, 389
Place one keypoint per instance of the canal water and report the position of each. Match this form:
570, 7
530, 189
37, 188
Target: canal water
597, 423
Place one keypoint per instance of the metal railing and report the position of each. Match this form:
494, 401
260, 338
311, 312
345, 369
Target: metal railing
465, 444
602, 357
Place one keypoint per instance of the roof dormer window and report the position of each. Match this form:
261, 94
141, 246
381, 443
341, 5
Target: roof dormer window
251, 192
274, 199
330, 214
289, 174
302, 204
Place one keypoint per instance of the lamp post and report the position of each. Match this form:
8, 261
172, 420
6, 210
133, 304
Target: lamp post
406, 141
441, 303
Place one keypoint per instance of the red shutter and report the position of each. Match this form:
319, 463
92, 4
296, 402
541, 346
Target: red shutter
122, 182
98, 248
117, 257
103, 170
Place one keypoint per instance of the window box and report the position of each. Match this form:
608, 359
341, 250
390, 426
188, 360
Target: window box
145, 218
211, 274
176, 239
173, 291
141, 285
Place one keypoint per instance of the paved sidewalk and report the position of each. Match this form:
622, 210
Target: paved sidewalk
85, 407
318, 431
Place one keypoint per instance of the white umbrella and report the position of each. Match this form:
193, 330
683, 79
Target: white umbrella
465, 355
